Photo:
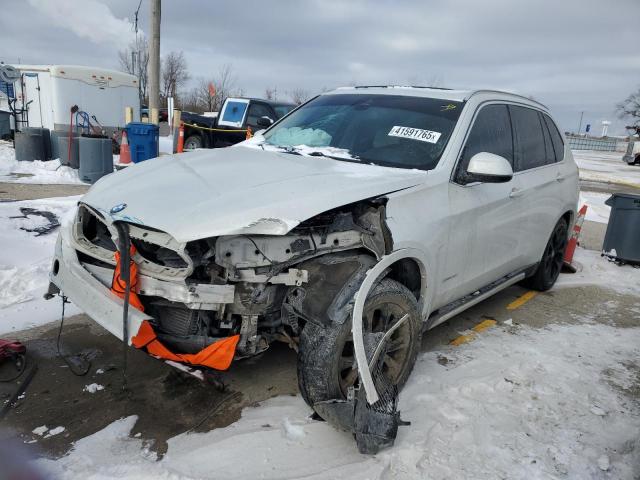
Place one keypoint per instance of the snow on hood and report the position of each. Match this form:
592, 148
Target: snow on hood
231, 191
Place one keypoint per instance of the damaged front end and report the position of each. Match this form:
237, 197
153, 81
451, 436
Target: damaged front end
261, 288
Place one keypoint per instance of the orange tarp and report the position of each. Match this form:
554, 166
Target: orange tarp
218, 355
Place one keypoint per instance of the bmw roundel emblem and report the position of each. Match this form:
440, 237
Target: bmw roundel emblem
118, 208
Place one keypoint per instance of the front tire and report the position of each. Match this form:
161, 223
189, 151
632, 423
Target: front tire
326, 362
192, 142
550, 265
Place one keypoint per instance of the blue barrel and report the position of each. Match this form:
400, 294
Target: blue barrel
143, 140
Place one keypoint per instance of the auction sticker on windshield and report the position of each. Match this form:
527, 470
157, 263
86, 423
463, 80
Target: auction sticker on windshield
415, 134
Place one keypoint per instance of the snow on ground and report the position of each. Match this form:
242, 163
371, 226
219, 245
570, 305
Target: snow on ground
39, 172
33, 172
93, 388
597, 270
25, 260
165, 144
597, 211
606, 167
515, 403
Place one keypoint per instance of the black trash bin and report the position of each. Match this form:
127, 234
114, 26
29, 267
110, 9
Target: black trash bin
96, 158
622, 240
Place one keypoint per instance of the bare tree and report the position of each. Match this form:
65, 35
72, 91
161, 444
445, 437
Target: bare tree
226, 84
209, 93
139, 50
188, 101
630, 108
204, 95
174, 74
299, 95
271, 93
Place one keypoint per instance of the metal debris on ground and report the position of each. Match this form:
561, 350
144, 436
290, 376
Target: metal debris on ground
51, 217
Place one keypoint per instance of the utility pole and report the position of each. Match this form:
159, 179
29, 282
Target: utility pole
154, 62
137, 53
580, 124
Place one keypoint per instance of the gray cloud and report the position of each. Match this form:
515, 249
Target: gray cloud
572, 55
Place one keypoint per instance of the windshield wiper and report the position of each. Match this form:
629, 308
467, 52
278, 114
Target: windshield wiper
283, 149
344, 159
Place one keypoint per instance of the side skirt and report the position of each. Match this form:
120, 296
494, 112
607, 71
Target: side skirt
458, 306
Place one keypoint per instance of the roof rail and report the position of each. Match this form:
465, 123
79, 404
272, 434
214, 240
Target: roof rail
507, 93
399, 86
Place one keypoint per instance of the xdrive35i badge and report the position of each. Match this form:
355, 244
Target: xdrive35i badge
118, 208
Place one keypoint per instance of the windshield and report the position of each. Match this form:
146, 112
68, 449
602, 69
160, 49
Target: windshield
390, 130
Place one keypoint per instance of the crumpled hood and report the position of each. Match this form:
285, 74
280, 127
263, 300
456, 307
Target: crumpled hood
240, 190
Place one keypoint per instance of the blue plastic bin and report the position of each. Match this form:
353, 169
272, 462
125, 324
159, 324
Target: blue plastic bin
143, 140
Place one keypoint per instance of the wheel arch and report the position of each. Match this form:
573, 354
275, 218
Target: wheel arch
569, 216
380, 270
410, 272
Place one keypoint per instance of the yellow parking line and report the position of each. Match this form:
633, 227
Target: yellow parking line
483, 325
518, 302
468, 337
461, 339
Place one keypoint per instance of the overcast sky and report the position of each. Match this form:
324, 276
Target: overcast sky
572, 55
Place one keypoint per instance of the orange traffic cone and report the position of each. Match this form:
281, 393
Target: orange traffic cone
180, 147
125, 152
573, 241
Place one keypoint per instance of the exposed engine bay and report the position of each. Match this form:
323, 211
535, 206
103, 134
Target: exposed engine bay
260, 287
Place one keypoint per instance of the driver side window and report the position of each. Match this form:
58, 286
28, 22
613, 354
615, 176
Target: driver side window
490, 132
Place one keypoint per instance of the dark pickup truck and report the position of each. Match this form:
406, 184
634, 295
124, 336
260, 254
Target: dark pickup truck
230, 126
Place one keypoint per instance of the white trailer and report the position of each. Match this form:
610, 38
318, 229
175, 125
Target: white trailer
54, 89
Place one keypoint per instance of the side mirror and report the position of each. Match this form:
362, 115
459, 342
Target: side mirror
488, 168
264, 122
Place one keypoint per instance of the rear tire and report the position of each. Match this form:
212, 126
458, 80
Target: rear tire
550, 265
326, 364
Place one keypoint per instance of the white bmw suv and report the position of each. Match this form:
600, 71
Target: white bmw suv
350, 226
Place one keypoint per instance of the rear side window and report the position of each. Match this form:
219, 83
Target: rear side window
232, 114
528, 142
556, 138
550, 156
491, 132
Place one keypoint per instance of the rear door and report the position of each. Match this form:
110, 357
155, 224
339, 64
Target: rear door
540, 179
486, 218
33, 94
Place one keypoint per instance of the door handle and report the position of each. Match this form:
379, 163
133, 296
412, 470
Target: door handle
516, 192
560, 177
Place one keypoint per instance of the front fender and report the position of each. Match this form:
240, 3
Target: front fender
357, 330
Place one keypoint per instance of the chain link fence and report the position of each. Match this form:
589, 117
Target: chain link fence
594, 143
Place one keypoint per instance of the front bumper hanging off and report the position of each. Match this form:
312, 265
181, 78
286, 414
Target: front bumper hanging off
88, 293
86, 287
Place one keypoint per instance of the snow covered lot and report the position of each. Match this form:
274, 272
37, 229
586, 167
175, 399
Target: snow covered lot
25, 260
515, 403
606, 167
49, 172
